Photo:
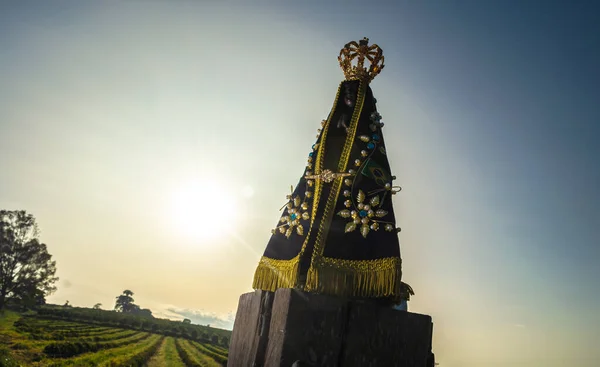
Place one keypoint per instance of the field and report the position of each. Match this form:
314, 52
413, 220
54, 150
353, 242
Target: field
35, 340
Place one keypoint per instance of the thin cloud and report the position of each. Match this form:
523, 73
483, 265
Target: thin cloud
198, 317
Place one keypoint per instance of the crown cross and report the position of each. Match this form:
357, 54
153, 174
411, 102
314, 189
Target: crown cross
352, 60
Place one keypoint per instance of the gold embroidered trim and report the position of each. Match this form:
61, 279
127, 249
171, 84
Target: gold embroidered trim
358, 278
385, 263
318, 167
312, 279
354, 278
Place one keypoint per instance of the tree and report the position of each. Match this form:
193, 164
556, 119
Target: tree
32, 297
27, 272
225, 341
182, 331
215, 339
187, 321
125, 302
97, 306
143, 312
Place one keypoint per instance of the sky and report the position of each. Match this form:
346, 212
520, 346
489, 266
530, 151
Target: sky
155, 142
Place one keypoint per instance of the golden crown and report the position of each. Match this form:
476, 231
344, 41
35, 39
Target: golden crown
361, 51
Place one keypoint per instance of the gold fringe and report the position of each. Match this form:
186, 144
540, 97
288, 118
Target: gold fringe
272, 274
360, 278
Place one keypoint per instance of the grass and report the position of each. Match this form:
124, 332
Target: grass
7, 320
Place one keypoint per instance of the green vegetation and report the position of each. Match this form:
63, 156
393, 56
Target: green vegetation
44, 339
27, 271
219, 357
125, 303
134, 354
136, 321
75, 347
7, 320
167, 355
192, 357
35, 334
216, 349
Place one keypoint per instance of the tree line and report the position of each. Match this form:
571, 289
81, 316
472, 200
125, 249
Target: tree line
138, 322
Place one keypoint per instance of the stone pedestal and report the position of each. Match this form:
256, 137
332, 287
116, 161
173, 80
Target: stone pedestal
281, 328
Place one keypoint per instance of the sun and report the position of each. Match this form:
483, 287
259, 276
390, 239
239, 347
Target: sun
203, 210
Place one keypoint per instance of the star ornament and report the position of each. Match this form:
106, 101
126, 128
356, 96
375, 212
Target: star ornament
364, 214
296, 210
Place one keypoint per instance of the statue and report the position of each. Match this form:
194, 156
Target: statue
328, 288
337, 234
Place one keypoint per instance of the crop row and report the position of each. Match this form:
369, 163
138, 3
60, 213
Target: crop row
41, 330
220, 350
139, 357
114, 337
130, 355
33, 326
35, 320
70, 349
81, 343
214, 355
166, 355
192, 356
101, 334
121, 334
135, 322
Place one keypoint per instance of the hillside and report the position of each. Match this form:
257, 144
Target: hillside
66, 336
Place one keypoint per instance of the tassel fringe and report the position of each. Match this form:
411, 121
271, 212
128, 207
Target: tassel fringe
273, 274
345, 278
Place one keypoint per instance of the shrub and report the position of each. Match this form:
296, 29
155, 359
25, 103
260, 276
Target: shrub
19, 346
69, 349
